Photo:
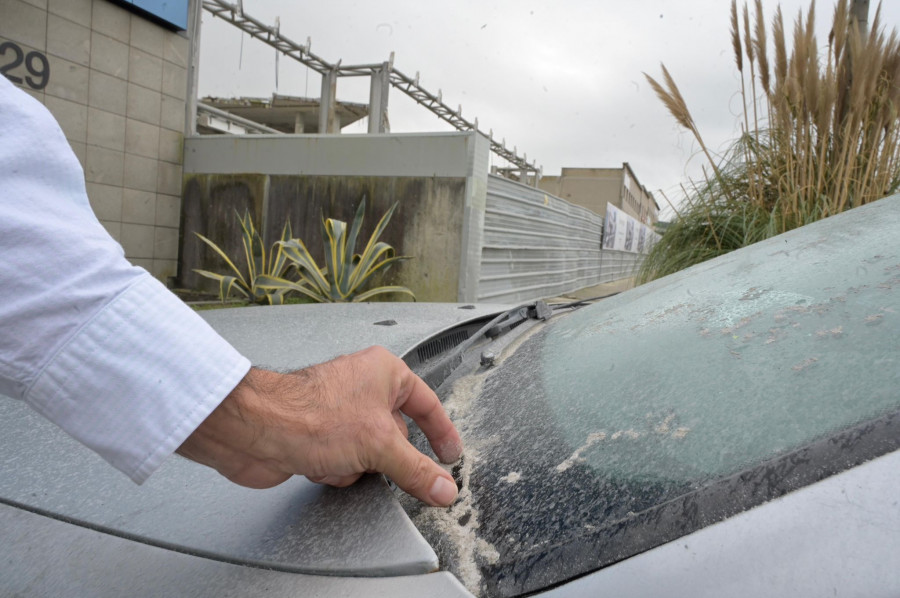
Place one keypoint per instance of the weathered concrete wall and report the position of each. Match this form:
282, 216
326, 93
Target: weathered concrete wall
208, 207
284, 178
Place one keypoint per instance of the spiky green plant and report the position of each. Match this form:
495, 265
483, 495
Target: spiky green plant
260, 265
345, 273
818, 136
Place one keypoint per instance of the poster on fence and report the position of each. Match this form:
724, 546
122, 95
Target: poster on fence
621, 232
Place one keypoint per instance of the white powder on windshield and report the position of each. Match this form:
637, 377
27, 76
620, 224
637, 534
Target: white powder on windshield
512, 347
487, 551
512, 477
459, 524
592, 439
680, 433
663, 428
459, 404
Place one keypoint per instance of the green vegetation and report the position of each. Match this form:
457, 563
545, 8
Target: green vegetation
260, 266
343, 278
345, 273
819, 136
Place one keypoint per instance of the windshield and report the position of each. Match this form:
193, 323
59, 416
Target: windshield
654, 413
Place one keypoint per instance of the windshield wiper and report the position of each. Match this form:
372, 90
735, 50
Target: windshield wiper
538, 311
498, 326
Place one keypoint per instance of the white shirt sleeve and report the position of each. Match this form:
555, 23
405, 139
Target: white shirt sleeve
93, 343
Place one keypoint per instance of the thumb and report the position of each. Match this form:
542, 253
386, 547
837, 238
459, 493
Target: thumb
416, 474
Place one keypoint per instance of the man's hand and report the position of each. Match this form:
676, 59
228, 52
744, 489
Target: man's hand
330, 422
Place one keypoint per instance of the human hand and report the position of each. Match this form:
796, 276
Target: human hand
331, 422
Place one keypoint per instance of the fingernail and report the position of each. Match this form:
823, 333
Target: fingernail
450, 451
443, 492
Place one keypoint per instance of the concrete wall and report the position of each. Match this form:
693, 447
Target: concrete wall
117, 85
298, 177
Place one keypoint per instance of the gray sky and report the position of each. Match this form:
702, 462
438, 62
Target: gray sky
561, 81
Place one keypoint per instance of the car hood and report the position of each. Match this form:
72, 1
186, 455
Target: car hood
298, 526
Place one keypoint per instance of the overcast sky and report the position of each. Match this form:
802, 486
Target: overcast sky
561, 81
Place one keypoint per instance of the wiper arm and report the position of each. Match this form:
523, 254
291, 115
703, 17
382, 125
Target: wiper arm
499, 325
538, 311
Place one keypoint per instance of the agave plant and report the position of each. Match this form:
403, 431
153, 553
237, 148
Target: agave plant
345, 273
261, 266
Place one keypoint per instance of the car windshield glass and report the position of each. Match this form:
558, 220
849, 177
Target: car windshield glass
651, 414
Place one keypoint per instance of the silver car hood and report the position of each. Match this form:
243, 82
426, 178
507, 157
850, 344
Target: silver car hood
298, 526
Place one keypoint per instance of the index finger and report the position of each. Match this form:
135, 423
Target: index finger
423, 406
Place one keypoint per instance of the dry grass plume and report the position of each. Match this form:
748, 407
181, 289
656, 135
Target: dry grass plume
819, 135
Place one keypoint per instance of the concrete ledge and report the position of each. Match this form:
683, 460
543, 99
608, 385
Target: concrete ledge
396, 155
599, 290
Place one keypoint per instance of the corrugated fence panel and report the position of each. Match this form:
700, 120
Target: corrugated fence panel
537, 245
615, 265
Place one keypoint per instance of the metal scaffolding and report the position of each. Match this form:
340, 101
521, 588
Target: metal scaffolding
226, 122
380, 73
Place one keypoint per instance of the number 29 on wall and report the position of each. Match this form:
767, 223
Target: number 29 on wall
12, 56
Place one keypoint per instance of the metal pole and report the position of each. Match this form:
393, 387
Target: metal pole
378, 99
859, 11
193, 35
327, 103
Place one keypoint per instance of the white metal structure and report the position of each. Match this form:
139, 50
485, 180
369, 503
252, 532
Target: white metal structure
383, 75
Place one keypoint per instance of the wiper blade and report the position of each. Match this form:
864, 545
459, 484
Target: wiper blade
538, 311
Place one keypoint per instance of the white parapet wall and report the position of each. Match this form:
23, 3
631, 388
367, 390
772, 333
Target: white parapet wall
395, 155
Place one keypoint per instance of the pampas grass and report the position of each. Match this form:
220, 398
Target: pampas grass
819, 135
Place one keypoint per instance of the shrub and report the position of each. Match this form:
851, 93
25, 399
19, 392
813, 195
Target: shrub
260, 266
345, 273
818, 136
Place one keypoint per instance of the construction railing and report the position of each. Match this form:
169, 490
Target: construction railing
271, 35
225, 122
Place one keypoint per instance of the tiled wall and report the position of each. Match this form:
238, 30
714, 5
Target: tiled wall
117, 86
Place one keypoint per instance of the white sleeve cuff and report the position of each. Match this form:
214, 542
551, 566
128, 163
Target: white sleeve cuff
148, 396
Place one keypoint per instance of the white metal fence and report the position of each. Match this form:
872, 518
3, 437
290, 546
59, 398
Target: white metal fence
538, 245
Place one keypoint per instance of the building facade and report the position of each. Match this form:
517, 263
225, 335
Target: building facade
116, 77
593, 188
